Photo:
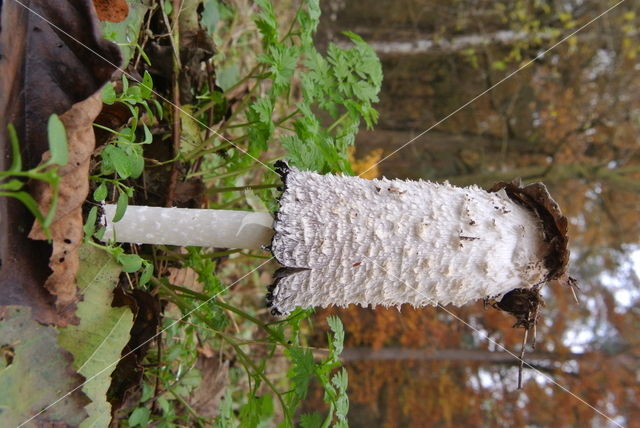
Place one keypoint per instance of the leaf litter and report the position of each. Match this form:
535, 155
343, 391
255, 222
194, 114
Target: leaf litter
39, 373
103, 332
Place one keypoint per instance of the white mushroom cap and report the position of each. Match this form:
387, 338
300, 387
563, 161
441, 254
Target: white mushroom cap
347, 240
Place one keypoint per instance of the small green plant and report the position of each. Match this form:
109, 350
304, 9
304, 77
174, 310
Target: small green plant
342, 85
13, 180
296, 103
123, 159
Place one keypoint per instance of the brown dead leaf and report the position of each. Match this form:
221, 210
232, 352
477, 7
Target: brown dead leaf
111, 10
185, 277
48, 61
205, 350
182, 277
205, 399
66, 228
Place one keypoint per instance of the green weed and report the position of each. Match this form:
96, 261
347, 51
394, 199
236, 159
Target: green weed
274, 95
13, 180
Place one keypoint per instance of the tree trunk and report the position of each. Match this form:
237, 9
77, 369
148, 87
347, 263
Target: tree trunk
477, 355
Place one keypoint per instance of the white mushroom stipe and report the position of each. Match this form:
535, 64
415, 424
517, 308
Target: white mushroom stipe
184, 226
346, 240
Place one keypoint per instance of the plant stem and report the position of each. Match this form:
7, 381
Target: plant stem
241, 188
186, 405
234, 172
203, 297
337, 122
177, 125
247, 361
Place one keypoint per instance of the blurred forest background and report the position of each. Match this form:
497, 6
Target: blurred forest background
570, 119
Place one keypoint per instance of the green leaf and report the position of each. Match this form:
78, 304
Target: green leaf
499, 65
210, 16
39, 374
164, 405
256, 410
146, 273
53, 206
338, 334
135, 159
16, 157
340, 380
116, 159
308, 20
147, 392
302, 370
125, 33
109, 94
148, 138
125, 84
267, 23
191, 137
227, 76
134, 94
159, 109
262, 126
100, 233
100, 194
130, 262
90, 226
57, 141
282, 60
139, 417
97, 341
311, 420
146, 86
225, 411
121, 206
302, 154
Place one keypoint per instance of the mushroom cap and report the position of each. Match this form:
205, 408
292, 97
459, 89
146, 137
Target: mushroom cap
346, 240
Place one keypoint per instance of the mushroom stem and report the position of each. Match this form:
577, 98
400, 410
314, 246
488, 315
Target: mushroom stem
189, 227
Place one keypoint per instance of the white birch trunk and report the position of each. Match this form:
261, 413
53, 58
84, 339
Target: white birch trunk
347, 240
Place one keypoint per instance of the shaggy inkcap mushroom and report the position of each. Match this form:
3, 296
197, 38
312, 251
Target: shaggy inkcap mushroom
345, 240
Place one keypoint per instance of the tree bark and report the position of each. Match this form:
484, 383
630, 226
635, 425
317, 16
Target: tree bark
456, 354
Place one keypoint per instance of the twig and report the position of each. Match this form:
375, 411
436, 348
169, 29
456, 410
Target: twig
156, 390
176, 131
524, 344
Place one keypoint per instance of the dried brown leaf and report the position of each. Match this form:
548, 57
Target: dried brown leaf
205, 399
185, 277
66, 228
